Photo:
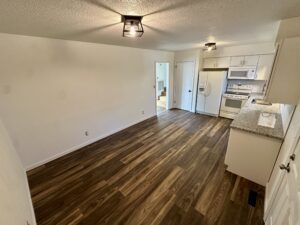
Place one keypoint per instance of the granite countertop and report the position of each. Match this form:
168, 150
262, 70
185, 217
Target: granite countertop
248, 117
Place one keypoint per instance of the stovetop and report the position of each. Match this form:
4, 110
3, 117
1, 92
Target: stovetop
234, 95
237, 93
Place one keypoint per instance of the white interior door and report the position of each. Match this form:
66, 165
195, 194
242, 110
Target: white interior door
287, 149
184, 77
285, 209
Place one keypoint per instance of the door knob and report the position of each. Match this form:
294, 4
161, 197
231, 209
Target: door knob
190, 91
292, 157
285, 167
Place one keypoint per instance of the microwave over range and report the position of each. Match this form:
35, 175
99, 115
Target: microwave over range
244, 73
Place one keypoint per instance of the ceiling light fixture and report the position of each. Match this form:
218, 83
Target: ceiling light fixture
132, 26
210, 46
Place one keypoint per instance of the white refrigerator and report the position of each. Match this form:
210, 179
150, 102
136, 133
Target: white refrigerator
211, 86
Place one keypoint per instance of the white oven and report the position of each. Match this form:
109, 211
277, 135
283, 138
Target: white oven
245, 73
232, 104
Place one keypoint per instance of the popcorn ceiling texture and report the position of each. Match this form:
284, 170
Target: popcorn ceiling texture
168, 24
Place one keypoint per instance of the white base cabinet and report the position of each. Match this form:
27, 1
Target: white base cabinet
251, 156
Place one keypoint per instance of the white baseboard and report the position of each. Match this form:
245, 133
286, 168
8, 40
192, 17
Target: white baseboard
77, 147
205, 113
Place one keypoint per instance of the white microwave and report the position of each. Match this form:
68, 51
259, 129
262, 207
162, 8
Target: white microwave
245, 73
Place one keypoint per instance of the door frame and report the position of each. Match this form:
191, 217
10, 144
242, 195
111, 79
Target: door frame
167, 85
193, 82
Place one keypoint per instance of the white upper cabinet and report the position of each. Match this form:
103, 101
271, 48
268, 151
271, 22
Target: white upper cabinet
237, 60
284, 85
250, 60
219, 62
209, 63
223, 62
264, 67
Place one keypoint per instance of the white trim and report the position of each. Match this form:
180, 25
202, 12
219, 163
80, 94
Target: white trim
208, 114
30, 200
77, 147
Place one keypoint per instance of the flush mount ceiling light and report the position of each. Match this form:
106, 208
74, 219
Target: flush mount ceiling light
132, 26
210, 46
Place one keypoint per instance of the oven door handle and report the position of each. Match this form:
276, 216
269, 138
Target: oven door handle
231, 98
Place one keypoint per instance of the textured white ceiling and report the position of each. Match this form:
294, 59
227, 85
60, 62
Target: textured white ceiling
168, 24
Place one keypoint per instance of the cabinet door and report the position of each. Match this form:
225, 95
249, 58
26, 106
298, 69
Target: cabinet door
264, 67
223, 62
237, 60
250, 60
284, 82
209, 63
257, 150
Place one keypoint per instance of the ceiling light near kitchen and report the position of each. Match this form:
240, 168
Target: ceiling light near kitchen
210, 46
132, 26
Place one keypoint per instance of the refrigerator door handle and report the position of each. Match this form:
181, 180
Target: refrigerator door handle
207, 89
202, 88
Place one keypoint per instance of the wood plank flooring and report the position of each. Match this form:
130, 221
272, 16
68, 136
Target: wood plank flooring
166, 170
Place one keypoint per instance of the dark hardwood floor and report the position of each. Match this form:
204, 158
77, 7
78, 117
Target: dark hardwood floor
166, 170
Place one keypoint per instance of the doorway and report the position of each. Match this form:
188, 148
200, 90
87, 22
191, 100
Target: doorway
184, 81
162, 86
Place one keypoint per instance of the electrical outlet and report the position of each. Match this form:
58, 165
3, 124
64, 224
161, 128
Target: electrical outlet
143, 112
86, 133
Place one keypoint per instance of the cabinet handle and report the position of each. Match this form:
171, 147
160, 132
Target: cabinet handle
285, 167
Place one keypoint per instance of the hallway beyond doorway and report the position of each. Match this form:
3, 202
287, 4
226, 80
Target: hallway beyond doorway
161, 104
161, 79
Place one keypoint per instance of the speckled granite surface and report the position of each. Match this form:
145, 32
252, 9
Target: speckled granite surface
248, 117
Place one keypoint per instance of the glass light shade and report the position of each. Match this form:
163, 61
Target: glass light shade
132, 26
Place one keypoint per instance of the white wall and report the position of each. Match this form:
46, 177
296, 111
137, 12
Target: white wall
286, 115
15, 202
288, 28
194, 55
161, 71
52, 91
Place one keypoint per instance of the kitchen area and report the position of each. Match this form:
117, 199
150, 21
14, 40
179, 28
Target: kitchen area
238, 87
258, 89
245, 76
